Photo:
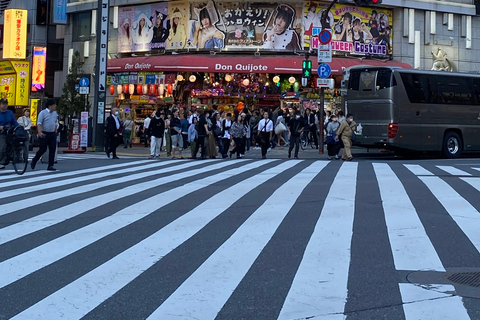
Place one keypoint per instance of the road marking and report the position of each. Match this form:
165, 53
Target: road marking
320, 284
41, 256
205, 292
436, 302
418, 170
64, 174
453, 171
461, 211
33, 201
411, 246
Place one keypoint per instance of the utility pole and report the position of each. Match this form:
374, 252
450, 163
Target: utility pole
100, 74
322, 89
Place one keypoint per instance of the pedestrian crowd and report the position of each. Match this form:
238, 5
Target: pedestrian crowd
209, 134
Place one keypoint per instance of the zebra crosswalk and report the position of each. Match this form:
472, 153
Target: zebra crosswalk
245, 239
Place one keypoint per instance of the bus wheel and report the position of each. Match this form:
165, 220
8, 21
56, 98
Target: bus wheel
452, 145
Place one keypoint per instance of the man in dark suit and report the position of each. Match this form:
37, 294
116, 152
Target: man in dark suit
311, 125
113, 127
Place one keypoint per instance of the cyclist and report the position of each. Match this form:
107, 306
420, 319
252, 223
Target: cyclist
7, 120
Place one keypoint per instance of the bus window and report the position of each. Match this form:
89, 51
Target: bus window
454, 90
354, 80
476, 90
384, 79
418, 87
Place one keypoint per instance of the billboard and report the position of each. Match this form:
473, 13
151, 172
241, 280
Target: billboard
15, 34
60, 11
355, 30
38, 68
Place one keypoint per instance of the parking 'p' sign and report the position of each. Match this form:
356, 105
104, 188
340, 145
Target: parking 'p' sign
325, 37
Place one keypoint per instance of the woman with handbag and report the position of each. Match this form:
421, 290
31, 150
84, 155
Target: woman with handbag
238, 134
280, 127
211, 148
333, 146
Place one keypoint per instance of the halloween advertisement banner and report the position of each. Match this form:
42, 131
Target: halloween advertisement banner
356, 30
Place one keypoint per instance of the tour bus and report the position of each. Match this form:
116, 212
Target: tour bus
415, 110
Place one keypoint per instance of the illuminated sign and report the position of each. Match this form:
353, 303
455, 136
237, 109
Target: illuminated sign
15, 34
34, 110
15, 85
38, 68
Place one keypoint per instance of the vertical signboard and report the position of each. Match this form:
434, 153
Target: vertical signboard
22, 69
83, 129
60, 12
38, 68
34, 110
101, 71
15, 34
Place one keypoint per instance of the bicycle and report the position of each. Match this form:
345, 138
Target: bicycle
16, 149
305, 139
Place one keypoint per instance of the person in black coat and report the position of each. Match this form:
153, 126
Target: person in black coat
310, 125
112, 129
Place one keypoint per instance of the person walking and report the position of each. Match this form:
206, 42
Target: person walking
168, 138
296, 127
202, 131
333, 145
26, 123
280, 127
226, 137
265, 133
238, 134
7, 119
185, 125
192, 136
176, 134
211, 148
127, 132
111, 130
156, 131
47, 126
345, 132
311, 125
254, 127
146, 124
218, 132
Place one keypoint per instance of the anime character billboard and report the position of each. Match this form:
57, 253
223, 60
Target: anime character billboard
355, 30
143, 28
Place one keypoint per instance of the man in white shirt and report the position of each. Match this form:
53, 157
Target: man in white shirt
47, 125
265, 131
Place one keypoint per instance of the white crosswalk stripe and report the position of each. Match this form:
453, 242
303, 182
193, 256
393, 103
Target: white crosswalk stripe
96, 206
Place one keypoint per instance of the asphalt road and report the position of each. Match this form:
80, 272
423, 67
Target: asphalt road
377, 238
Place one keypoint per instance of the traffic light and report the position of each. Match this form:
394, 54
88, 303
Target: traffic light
367, 3
307, 69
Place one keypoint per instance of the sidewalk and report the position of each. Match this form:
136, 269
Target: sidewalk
276, 153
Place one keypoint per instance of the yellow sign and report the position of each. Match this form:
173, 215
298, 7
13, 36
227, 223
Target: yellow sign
38, 68
34, 110
15, 34
15, 85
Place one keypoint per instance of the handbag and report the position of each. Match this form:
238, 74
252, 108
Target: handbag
217, 132
280, 128
331, 140
354, 136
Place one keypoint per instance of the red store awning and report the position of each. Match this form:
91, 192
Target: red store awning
234, 64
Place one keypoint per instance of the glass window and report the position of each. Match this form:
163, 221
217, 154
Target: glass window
384, 79
454, 90
354, 80
418, 87
81, 26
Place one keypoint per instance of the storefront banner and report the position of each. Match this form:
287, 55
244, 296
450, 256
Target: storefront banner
34, 110
357, 30
60, 12
22, 89
7, 87
143, 27
83, 128
15, 34
38, 68
245, 25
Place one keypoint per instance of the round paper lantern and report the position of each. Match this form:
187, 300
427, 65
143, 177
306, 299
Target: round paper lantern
292, 80
131, 89
240, 106
139, 89
161, 89
152, 89
119, 89
180, 77
145, 89
192, 78
169, 89
112, 89
246, 82
125, 88
276, 79
228, 78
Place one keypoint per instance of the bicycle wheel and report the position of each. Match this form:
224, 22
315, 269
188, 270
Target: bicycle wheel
20, 159
303, 141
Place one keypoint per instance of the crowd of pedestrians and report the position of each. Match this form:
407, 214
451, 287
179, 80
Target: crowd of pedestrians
209, 134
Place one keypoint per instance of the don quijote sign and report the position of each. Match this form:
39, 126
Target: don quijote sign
250, 67
137, 66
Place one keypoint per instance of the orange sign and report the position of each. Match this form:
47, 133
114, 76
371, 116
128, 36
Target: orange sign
15, 34
38, 68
